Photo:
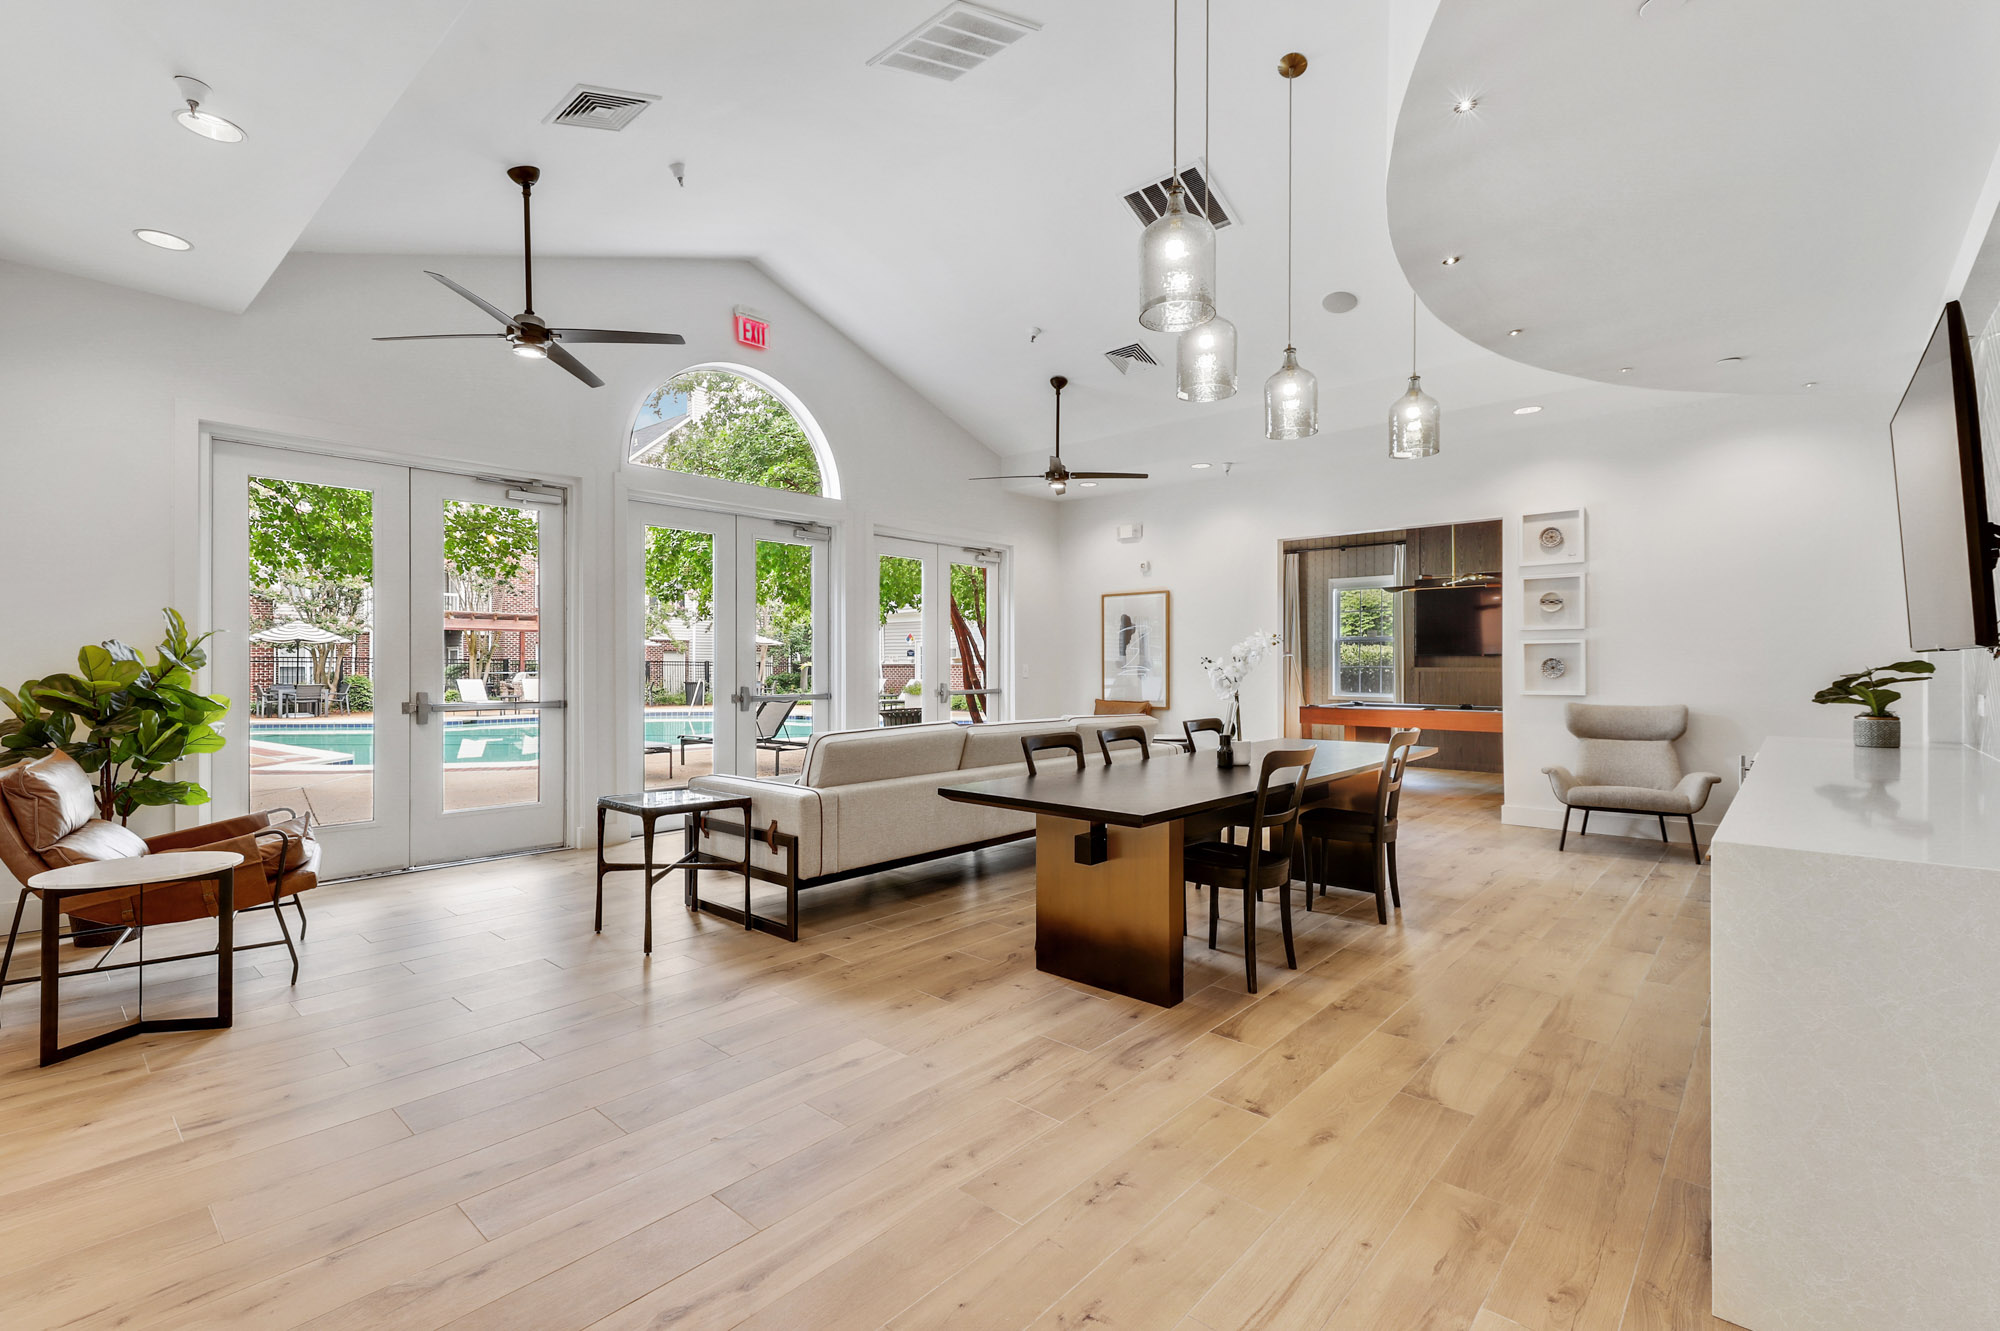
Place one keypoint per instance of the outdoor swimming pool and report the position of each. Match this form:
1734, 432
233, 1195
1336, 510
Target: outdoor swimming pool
479, 741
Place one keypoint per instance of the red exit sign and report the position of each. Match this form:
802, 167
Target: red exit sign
752, 329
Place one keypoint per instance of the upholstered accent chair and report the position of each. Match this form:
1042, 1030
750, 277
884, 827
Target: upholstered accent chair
48, 820
1627, 764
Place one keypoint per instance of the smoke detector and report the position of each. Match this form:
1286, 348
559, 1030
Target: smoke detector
1149, 201
1130, 356
590, 107
954, 41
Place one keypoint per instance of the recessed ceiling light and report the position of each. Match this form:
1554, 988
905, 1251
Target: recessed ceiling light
1526, 411
1339, 302
1811, 383
1624, 369
205, 123
166, 240
1729, 360
1515, 332
1451, 260
1201, 466
1465, 104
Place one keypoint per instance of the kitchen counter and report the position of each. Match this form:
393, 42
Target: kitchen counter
1855, 1015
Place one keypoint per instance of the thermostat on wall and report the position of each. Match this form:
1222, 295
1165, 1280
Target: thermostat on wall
1131, 531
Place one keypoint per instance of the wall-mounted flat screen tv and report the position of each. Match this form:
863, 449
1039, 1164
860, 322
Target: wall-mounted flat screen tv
1457, 621
1948, 541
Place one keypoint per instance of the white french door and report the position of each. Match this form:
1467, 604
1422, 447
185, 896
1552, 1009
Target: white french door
735, 676
940, 626
419, 619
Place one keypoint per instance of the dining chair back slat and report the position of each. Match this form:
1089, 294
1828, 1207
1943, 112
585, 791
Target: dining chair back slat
1060, 739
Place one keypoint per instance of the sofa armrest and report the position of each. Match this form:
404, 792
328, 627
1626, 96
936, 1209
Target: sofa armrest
797, 811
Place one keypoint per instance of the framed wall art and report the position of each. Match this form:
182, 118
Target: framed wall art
1133, 646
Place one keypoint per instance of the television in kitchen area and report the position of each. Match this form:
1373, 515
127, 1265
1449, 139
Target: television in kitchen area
1456, 621
1949, 540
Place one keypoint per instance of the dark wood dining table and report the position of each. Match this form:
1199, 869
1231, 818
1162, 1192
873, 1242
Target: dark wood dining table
1110, 901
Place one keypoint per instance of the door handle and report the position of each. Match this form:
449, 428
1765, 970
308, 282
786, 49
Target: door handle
421, 706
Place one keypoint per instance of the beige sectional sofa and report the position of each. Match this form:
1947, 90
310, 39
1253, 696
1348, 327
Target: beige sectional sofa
867, 800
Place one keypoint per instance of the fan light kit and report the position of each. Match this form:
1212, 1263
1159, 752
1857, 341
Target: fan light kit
205, 123
1291, 396
1058, 476
166, 240
526, 334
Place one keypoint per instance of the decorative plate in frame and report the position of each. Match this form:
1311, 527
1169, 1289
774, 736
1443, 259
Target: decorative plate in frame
1554, 667
1552, 603
1551, 539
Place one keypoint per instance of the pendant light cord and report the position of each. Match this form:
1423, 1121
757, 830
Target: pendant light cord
1207, 162
1413, 334
1176, 135
1288, 211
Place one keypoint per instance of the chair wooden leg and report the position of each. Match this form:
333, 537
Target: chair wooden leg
1564, 841
1382, 882
1250, 936
1214, 911
1310, 854
1285, 921
1694, 842
1395, 888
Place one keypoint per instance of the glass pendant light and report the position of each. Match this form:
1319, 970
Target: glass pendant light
1291, 396
1205, 360
1414, 420
1177, 251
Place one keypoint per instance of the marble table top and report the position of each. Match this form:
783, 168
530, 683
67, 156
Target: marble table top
134, 870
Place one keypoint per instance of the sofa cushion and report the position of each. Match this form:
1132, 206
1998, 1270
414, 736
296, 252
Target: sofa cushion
849, 757
881, 821
1638, 799
50, 797
991, 745
95, 840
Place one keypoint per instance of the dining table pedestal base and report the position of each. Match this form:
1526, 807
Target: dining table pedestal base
1118, 924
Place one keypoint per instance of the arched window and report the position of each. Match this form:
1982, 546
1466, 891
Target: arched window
713, 421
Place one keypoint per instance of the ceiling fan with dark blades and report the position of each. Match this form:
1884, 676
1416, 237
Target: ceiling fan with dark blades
1058, 477
525, 332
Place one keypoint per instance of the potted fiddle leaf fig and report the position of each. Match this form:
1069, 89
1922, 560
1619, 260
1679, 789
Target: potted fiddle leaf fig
1877, 727
122, 717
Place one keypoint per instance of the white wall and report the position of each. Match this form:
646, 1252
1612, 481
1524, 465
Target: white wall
103, 392
1742, 552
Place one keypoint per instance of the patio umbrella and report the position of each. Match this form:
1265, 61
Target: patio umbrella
297, 632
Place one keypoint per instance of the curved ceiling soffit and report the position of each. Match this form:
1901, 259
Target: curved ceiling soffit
1649, 191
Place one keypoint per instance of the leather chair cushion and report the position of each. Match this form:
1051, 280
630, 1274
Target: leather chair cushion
95, 840
288, 852
50, 797
1121, 707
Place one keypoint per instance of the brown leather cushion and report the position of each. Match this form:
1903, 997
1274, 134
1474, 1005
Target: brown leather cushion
95, 840
292, 849
1121, 707
50, 797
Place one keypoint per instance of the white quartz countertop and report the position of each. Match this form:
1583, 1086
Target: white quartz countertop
1933, 804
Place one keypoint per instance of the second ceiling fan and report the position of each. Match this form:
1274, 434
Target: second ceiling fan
525, 332
1058, 476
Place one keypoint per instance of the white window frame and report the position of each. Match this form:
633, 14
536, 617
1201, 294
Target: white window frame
1335, 586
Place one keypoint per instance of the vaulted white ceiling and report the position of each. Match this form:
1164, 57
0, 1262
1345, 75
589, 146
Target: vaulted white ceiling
1786, 181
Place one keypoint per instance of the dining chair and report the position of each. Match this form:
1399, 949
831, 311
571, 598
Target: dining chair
1335, 836
310, 697
1060, 739
1265, 861
1201, 726
1110, 735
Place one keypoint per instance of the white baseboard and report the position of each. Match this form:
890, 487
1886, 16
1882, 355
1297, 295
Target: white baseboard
1610, 824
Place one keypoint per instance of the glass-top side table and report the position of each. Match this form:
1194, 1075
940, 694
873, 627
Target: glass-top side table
649, 807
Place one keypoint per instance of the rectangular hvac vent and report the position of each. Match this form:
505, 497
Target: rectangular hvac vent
592, 107
958, 38
1150, 200
1132, 353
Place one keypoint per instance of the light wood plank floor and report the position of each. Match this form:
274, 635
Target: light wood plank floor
474, 1112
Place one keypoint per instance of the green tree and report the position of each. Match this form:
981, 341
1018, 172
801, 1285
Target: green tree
312, 549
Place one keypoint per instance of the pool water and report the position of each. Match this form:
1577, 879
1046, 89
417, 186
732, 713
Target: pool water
509, 741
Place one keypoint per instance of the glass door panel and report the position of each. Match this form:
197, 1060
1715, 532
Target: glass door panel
312, 603
903, 569
785, 690
679, 667
971, 692
486, 573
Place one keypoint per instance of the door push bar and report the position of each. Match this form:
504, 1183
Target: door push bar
421, 707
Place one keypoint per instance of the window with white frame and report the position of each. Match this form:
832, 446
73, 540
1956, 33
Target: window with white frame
1362, 623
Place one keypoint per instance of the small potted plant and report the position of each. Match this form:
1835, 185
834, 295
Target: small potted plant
1877, 727
1226, 675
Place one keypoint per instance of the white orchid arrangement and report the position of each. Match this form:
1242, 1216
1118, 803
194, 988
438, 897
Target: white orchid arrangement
1227, 673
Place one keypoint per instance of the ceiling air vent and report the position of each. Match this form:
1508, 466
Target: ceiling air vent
592, 107
1150, 200
1124, 359
958, 38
